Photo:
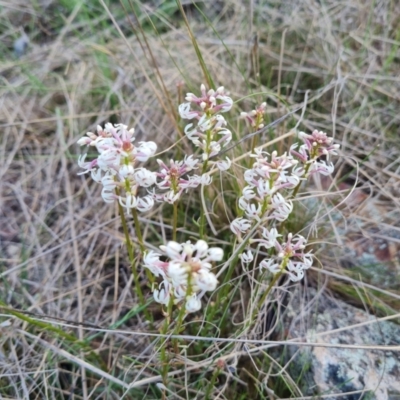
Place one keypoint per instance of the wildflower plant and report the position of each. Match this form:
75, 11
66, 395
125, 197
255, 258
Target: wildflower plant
184, 274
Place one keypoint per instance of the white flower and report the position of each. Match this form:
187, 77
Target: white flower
271, 265
144, 177
145, 204
292, 180
107, 196
224, 165
193, 304
240, 225
152, 261
228, 102
190, 132
188, 270
191, 182
190, 162
247, 257
227, 135
243, 204
178, 273
82, 164
145, 151
200, 247
248, 193
302, 154
296, 275
282, 207
253, 211
185, 112
214, 149
265, 188
96, 174
109, 160
173, 249
270, 236
179, 293
205, 280
206, 179
109, 186
170, 197
215, 254
322, 167
84, 141
126, 171
162, 294
250, 177
205, 123
307, 260
130, 201
108, 182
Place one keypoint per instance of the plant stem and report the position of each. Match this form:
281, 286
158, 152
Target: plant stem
269, 288
296, 189
150, 277
211, 385
132, 260
131, 254
138, 231
163, 353
174, 220
203, 171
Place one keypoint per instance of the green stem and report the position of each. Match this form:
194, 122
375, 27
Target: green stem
174, 220
269, 288
163, 351
150, 277
202, 211
182, 313
203, 171
254, 141
211, 385
131, 254
296, 189
138, 231
235, 259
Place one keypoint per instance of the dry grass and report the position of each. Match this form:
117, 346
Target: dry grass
60, 244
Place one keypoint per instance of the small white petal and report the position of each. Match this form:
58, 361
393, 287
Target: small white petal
206, 179
145, 204
240, 225
216, 254
206, 280
173, 249
162, 294
177, 273
201, 248
224, 165
144, 177
247, 257
271, 265
193, 304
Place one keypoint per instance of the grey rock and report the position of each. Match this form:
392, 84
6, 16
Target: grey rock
21, 44
342, 373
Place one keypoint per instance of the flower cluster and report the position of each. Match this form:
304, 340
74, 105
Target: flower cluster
175, 179
255, 117
261, 198
316, 145
187, 275
210, 134
116, 165
290, 257
270, 182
